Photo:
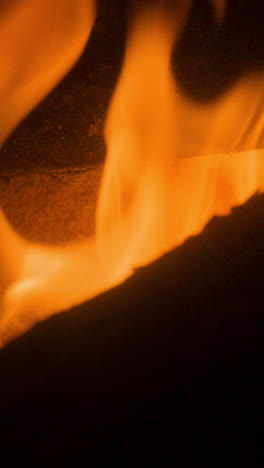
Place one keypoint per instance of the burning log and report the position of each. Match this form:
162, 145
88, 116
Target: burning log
52, 206
152, 197
167, 366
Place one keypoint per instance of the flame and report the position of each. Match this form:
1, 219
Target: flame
171, 164
40, 41
220, 8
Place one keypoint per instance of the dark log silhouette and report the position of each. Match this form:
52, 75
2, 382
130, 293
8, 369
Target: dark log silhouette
167, 367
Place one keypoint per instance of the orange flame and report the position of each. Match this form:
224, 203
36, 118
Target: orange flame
155, 190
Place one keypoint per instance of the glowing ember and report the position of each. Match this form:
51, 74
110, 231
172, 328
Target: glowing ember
155, 191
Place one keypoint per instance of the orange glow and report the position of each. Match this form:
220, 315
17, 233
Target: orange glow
170, 163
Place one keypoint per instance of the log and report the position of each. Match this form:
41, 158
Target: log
52, 206
166, 367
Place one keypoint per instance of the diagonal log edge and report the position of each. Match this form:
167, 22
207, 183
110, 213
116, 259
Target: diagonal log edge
170, 362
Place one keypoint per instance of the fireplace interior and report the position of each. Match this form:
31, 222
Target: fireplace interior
168, 366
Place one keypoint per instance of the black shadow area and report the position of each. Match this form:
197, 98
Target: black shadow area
167, 367
210, 57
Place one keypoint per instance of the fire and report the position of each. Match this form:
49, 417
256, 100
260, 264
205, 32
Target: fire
171, 164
